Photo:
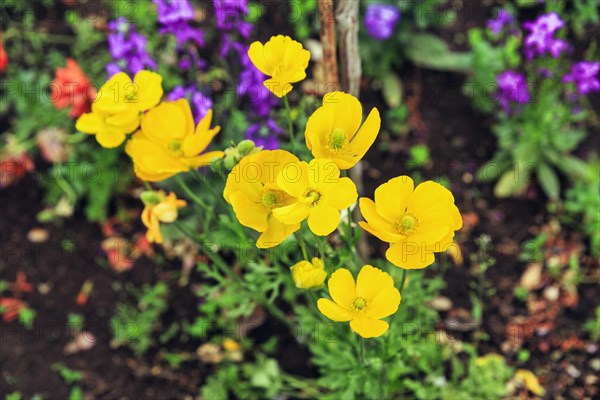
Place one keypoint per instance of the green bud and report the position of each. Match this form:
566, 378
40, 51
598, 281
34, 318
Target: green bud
150, 198
245, 147
230, 162
216, 165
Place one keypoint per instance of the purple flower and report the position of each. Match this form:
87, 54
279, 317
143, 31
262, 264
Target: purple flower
199, 103
583, 75
380, 20
512, 88
541, 37
184, 32
229, 16
265, 134
503, 18
251, 85
173, 11
128, 48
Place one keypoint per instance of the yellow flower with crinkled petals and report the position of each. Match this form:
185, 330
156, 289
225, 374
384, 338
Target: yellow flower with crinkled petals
319, 194
118, 106
159, 208
334, 130
281, 58
417, 222
309, 274
252, 191
168, 144
363, 303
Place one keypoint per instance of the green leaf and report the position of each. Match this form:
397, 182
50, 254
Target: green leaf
392, 90
548, 180
427, 50
509, 184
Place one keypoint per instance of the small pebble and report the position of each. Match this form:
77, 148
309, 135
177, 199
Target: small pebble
595, 364
38, 235
574, 372
551, 293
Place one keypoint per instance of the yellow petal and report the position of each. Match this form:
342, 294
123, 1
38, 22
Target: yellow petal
371, 281
343, 194
383, 236
111, 97
428, 195
278, 87
366, 135
110, 137
293, 213
239, 179
409, 256
204, 159
272, 162
342, 288
249, 213
276, 233
384, 304
323, 173
199, 141
318, 126
347, 112
369, 327
377, 222
256, 52
392, 197
531, 381
165, 123
149, 89
323, 219
89, 123
293, 178
333, 311
126, 121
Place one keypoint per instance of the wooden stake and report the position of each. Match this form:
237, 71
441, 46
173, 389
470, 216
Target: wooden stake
326, 17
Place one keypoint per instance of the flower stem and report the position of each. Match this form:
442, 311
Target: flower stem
403, 279
302, 245
290, 123
362, 351
190, 193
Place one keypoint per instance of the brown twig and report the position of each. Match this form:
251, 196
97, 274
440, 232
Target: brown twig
330, 67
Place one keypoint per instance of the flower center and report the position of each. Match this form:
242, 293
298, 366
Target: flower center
407, 224
337, 139
312, 197
271, 199
175, 147
359, 303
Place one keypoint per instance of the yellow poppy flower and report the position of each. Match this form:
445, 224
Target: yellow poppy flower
252, 191
416, 222
159, 208
168, 144
333, 131
309, 274
530, 381
363, 303
319, 194
118, 106
281, 58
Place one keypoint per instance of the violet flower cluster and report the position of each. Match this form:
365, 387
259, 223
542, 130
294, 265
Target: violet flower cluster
541, 38
503, 18
175, 16
200, 103
235, 30
512, 89
584, 75
127, 48
380, 20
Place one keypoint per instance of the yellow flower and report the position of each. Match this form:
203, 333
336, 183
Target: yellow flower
416, 222
333, 131
252, 191
159, 208
281, 58
309, 274
118, 106
168, 144
319, 194
231, 345
530, 381
365, 303
482, 361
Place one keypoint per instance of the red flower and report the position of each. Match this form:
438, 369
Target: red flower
71, 87
13, 167
12, 308
3, 56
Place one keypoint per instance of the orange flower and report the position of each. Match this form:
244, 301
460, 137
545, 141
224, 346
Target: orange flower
71, 87
3, 56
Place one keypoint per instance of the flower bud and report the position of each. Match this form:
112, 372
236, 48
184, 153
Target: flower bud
245, 147
150, 198
308, 275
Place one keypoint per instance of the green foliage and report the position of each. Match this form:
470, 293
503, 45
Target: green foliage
593, 326
304, 16
68, 375
582, 204
133, 326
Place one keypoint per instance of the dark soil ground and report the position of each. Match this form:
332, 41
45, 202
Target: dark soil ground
459, 140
